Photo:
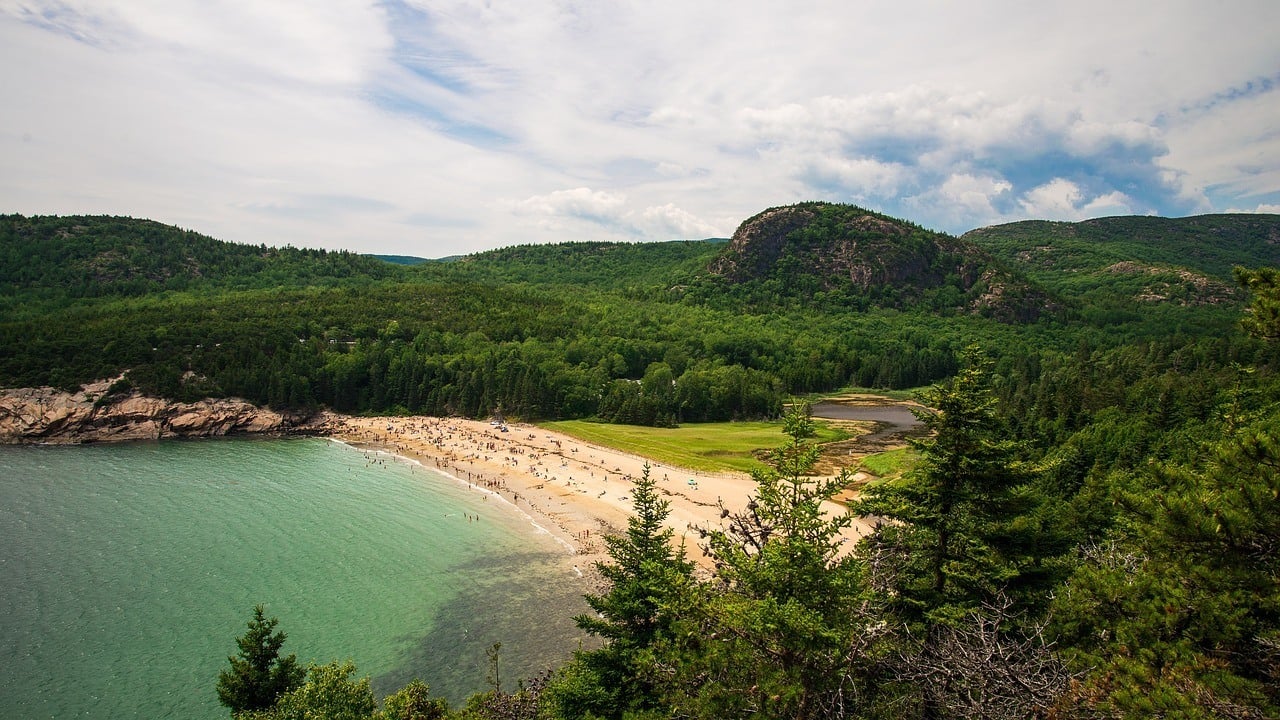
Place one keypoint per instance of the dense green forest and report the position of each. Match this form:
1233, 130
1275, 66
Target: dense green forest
1091, 531
656, 333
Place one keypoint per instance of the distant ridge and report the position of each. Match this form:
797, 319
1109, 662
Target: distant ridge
1186, 261
410, 259
1209, 244
86, 256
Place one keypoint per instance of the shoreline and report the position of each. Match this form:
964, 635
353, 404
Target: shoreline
533, 520
576, 491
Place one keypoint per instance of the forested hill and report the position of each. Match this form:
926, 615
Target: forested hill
1186, 261
606, 265
809, 298
846, 256
89, 256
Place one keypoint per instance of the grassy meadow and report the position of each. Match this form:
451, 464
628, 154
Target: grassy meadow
706, 447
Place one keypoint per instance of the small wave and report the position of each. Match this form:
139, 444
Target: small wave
533, 522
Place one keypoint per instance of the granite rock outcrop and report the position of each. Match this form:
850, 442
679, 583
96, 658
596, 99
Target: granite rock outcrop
95, 414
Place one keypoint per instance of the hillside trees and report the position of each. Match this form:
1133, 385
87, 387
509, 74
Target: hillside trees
298, 348
1177, 611
101, 256
188, 317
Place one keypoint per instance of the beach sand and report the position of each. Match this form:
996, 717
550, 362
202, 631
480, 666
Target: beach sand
577, 491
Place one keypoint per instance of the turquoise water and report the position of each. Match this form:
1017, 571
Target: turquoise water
127, 572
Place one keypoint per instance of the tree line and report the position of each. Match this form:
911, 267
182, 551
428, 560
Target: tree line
531, 352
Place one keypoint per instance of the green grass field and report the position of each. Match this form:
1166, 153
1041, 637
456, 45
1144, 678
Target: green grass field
709, 447
890, 463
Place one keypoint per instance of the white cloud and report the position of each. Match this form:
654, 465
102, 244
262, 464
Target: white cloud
674, 223
1061, 199
962, 199
1263, 208
1112, 203
581, 203
973, 194
609, 212
356, 123
297, 40
1056, 200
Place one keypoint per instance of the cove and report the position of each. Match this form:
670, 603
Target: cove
127, 571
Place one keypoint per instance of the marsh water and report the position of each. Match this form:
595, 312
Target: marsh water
127, 571
892, 421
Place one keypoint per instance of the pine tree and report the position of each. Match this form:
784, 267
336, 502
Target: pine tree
644, 571
1263, 318
958, 537
962, 525
786, 628
1179, 616
641, 569
258, 676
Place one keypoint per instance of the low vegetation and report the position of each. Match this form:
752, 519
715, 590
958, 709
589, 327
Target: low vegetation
706, 447
888, 464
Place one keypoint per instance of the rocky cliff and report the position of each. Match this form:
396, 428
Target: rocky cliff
48, 415
861, 258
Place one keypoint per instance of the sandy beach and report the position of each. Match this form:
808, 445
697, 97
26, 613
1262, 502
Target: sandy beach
577, 491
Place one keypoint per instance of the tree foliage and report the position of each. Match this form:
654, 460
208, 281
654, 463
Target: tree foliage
963, 524
1180, 611
329, 693
1263, 318
785, 627
258, 675
414, 702
643, 575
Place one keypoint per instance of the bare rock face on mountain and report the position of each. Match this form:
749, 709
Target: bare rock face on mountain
759, 242
92, 415
861, 258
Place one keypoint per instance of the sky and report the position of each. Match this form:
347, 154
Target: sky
444, 127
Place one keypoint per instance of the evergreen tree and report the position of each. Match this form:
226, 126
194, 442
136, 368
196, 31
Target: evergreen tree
786, 628
961, 528
640, 572
1263, 319
643, 573
1178, 614
258, 677
960, 545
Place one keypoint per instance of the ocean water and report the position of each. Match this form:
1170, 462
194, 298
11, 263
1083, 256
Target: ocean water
127, 571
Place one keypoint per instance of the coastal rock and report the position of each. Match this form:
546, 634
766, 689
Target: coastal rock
93, 414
